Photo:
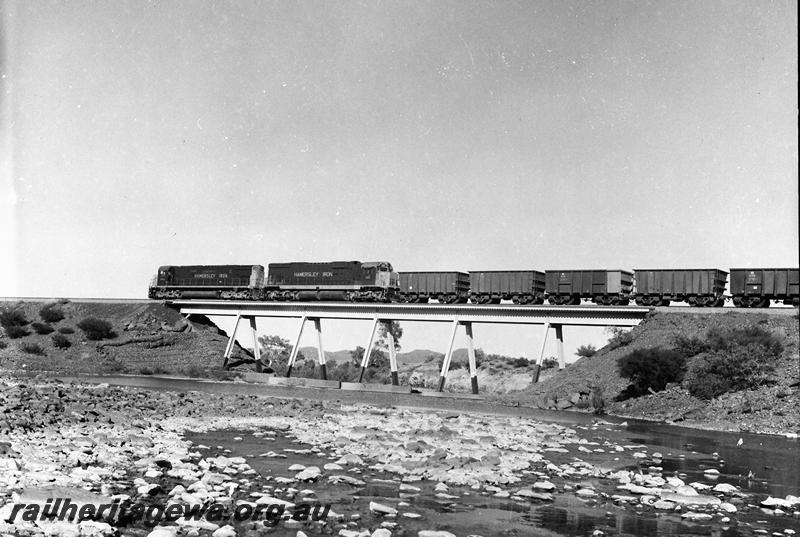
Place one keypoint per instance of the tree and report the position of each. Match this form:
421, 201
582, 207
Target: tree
385, 329
377, 358
586, 351
275, 351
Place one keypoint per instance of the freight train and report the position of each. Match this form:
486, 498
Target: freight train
356, 281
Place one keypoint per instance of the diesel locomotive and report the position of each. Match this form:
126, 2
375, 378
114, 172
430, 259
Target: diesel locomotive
356, 281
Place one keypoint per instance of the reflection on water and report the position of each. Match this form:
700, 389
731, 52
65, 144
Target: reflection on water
771, 462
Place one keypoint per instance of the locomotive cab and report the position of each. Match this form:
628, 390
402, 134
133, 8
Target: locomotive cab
381, 275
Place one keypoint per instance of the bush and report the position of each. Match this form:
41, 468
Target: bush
96, 329
619, 337
60, 341
12, 317
549, 363
651, 370
586, 351
519, 362
3, 344
689, 346
193, 371
42, 328
32, 348
727, 370
66, 330
15, 332
720, 340
51, 313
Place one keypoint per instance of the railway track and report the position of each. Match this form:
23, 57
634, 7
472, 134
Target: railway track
79, 300
774, 310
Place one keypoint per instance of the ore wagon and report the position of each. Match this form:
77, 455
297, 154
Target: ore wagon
698, 287
519, 286
241, 282
446, 287
757, 287
606, 287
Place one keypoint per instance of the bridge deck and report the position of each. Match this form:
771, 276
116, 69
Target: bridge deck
472, 313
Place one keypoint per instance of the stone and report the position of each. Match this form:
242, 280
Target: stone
224, 531
309, 474
725, 488
435, 533
381, 509
163, 531
381, 532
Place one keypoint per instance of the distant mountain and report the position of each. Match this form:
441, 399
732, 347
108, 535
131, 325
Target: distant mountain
415, 357
335, 356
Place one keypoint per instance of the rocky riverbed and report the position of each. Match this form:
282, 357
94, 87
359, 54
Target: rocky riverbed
354, 470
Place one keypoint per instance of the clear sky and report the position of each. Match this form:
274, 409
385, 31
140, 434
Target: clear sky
436, 135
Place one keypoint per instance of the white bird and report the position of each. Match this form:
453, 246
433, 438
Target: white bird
740, 442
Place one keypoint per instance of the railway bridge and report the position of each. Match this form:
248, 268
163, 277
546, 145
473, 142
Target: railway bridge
457, 315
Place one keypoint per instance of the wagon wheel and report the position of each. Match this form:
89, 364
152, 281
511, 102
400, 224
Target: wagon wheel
764, 303
551, 300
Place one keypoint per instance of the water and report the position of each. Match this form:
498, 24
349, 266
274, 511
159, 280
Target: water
771, 462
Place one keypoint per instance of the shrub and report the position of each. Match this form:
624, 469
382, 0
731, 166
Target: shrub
15, 332
726, 370
66, 330
96, 329
42, 328
51, 313
619, 337
12, 317
586, 351
549, 363
651, 370
689, 346
60, 341
32, 348
3, 344
754, 334
519, 362
194, 371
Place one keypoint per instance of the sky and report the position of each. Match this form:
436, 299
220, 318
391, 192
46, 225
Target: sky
441, 135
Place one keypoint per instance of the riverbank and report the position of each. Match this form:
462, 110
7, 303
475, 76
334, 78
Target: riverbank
382, 471
595, 384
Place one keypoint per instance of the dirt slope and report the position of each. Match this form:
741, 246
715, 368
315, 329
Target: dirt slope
150, 338
774, 408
